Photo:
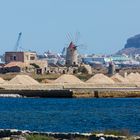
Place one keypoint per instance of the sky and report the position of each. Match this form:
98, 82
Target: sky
103, 25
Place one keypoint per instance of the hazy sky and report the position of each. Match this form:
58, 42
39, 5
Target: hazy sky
104, 25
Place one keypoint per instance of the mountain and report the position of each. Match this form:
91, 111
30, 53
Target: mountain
133, 42
132, 46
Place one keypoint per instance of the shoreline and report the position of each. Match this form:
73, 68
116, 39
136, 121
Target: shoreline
15, 134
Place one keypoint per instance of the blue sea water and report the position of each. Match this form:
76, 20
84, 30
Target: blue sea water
70, 115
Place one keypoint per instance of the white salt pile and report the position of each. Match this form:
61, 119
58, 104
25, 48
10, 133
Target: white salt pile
2, 81
100, 79
133, 77
117, 78
23, 79
137, 74
67, 78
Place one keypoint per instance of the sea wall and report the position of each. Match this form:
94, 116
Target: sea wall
73, 93
105, 93
38, 93
100, 91
70, 90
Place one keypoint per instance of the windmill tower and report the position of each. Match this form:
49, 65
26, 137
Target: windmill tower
71, 55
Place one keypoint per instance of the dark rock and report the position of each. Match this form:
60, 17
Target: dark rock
132, 46
21, 135
8, 133
133, 42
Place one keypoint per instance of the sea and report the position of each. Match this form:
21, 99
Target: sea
70, 115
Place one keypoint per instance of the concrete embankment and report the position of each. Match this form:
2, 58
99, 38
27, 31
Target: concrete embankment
69, 91
104, 91
37, 93
40, 90
92, 93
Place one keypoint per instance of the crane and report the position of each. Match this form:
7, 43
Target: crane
18, 41
63, 51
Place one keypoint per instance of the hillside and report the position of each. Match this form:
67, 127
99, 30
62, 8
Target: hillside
132, 46
133, 42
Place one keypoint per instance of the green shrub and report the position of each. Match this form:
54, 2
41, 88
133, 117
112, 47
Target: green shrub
38, 137
123, 132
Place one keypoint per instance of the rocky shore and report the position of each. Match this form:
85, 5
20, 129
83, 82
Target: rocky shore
28, 135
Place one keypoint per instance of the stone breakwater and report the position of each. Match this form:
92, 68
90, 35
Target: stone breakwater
21, 135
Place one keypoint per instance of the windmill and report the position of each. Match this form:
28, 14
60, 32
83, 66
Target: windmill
71, 51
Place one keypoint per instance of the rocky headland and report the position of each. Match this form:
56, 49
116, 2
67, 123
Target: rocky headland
132, 46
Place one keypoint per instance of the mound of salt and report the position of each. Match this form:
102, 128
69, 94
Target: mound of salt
133, 77
100, 79
67, 78
23, 79
117, 78
2, 81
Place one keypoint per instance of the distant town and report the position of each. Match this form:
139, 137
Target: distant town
69, 60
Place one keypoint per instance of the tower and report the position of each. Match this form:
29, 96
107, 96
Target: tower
111, 69
71, 55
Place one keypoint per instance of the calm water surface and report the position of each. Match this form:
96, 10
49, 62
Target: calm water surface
70, 115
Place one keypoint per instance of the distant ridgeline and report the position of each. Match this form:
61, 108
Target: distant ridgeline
132, 46
133, 42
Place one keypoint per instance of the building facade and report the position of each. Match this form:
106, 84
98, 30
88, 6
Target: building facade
26, 57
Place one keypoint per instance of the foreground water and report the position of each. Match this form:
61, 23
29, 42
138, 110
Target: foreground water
70, 115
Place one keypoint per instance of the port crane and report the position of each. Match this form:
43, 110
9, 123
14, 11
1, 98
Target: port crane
18, 42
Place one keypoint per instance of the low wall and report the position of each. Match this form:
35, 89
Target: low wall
105, 92
71, 90
39, 93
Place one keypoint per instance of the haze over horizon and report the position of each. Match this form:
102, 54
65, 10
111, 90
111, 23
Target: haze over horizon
104, 26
